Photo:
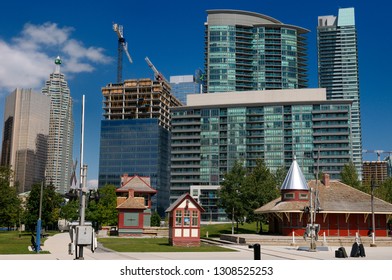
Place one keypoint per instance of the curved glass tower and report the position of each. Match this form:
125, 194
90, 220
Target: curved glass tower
250, 51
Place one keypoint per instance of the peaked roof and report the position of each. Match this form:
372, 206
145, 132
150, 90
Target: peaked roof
295, 179
181, 199
335, 198
131, 203
137, 183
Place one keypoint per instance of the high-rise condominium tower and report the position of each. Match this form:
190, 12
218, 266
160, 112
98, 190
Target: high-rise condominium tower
338, 69
250, 51
25, 137
61, 131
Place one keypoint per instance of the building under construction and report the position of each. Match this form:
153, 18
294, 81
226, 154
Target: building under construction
375, 170
135, 135
139, 99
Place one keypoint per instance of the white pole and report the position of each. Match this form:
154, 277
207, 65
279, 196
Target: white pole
293, 237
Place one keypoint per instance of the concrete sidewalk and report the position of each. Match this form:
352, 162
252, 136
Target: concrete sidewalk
57, 245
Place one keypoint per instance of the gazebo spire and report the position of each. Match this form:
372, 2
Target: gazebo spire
295, 179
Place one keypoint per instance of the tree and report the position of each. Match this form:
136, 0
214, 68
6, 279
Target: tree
349, 175
259, 189
155, 219
51, 201
103, 211
231, 193
10, 204
70, 210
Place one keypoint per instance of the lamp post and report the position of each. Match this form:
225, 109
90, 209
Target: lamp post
38, 233
372, 186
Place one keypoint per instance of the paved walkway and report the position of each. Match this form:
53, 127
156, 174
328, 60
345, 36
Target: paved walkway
57, 245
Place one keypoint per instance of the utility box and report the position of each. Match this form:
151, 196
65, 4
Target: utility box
84, 235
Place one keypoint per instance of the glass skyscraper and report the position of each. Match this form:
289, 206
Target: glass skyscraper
338, 69
250, 51
25, 137
135, 135
61, 131
183, 85
215, 130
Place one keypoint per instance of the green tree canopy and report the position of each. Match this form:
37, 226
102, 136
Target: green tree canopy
349, 176
51, 201
231, 195
260, 188
103, 211
10, 205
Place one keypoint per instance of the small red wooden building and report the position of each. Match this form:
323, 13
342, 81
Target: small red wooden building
134, 204
343, 210
184, 221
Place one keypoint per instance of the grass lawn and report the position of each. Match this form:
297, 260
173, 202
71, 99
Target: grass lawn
124, 244
12, 242
215, 230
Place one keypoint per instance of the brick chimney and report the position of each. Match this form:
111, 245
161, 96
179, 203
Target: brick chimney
326, 179
124, 179
131, 193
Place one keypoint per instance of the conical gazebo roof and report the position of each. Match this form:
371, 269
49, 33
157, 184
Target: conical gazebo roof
295, 179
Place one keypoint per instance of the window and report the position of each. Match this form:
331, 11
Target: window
195, 220
178, 217
303, 196
187, 220
289, 195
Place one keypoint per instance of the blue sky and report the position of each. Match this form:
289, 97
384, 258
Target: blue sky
171, 34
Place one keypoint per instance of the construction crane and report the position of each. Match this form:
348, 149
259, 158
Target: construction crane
378, 152
122, 46
158, 75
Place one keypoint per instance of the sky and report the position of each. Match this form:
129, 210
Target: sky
171, 34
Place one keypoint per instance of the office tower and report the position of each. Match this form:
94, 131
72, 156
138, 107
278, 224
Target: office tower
61, 131
183, 85
135, 135
338, 69
25, 137
250, 51
215, 130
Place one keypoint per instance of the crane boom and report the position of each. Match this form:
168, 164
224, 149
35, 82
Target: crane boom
158, 75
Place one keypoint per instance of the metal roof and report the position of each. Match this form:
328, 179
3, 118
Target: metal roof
295, 179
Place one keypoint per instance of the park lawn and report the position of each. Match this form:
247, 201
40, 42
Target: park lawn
12, 242
215, 230
129, 244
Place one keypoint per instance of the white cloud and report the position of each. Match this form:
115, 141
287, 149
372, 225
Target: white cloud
92, 184
28, 59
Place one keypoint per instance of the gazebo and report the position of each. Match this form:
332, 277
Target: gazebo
134, 204
342, 209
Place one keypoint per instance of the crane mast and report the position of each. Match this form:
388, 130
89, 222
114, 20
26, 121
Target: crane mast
122, 47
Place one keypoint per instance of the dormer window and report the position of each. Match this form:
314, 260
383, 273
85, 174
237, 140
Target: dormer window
288, 196
303, 196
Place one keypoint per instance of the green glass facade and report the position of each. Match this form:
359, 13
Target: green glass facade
249, 51
207, 140
338, 68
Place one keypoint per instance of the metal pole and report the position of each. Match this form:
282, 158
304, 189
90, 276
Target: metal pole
373, 244
82, 194
38, 234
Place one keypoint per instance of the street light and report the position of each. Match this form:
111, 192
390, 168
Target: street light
373, 186
38, 234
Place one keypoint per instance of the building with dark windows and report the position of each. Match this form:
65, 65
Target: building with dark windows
215, 130
249, 51
338, 69
135, 135
25, 137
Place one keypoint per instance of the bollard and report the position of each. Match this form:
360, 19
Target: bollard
256, 251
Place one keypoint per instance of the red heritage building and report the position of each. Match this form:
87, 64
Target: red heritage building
134, 204
184, 221
343, 210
